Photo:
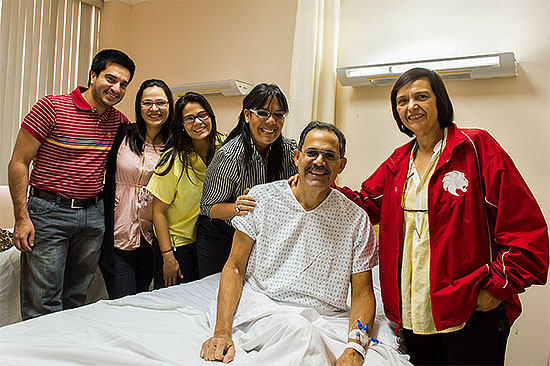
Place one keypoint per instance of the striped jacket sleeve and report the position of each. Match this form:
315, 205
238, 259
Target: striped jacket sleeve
220, 182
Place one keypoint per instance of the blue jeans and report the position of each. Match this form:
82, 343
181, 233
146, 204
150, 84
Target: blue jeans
63, 261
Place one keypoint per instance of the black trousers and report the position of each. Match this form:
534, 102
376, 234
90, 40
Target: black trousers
132, 271
482, 341
214, 239
186, 255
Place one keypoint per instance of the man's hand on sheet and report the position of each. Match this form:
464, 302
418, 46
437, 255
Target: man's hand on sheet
23, 234
350, 357
218, 348
486, 301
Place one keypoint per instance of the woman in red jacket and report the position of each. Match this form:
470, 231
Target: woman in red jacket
460, 233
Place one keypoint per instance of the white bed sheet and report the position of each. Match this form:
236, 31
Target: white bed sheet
9, 287
163, 327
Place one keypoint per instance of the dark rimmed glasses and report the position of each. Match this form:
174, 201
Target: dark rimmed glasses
203, 116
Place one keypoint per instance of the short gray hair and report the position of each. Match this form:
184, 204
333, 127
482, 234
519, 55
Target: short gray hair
318, 125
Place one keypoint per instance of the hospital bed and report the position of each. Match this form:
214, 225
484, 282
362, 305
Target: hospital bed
162, 327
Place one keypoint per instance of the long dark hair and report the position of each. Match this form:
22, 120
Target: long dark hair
180, 144
138, 131
257, 98
442, 101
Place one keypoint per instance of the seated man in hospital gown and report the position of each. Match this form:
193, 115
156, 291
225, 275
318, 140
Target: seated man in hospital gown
296, 254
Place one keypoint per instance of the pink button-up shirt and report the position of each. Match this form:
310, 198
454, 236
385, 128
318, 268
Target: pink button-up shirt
133, 204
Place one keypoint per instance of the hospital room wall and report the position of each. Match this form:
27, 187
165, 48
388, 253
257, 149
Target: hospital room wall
516, 111
186, 41
193, 41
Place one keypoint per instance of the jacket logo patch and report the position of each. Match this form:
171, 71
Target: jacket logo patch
453, 181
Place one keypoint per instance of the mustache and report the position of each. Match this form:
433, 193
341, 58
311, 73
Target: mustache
317, 169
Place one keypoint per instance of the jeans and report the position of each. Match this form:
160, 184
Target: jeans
214, 240
185, 255
56, 274
132, 270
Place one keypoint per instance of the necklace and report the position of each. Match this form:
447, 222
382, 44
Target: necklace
411, 171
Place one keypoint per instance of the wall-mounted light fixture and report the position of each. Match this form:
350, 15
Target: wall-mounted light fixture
221, 87
470, 67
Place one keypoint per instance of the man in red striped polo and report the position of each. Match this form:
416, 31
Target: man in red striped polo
59, 229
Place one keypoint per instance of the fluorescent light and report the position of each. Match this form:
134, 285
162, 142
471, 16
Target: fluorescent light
450, 64
469, 67
368, 70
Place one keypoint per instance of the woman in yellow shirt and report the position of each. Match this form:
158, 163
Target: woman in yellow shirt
177, 189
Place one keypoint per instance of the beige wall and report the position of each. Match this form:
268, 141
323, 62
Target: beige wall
514, 110
192, 41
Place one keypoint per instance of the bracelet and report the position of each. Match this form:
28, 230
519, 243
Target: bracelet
357, 347
237, 209
166, 251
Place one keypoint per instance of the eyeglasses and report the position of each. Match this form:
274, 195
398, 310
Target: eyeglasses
328, 155
403, 208
203, 116
161, 104
264, 114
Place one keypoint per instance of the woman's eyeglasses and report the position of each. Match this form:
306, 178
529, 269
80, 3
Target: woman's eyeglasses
159, 103
203, 116
264, 114
403, 208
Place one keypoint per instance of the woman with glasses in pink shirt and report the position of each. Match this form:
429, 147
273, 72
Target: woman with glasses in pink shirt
127, 255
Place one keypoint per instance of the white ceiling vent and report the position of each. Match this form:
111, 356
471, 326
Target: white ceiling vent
222, 87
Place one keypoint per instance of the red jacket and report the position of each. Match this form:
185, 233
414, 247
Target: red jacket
504, 252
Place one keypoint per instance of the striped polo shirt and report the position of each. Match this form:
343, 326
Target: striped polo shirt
74, 142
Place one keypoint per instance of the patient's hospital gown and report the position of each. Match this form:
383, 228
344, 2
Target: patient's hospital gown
293, 305
306, 257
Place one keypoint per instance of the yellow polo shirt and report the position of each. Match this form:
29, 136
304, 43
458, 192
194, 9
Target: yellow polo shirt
182, 191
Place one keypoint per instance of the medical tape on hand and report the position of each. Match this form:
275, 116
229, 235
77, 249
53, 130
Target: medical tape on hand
361, 335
